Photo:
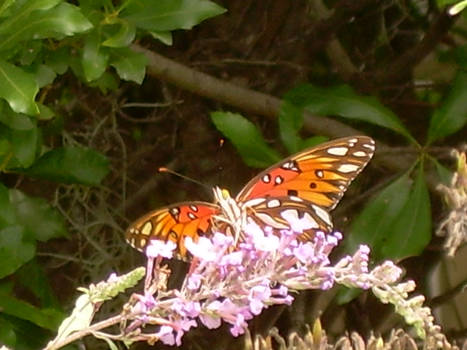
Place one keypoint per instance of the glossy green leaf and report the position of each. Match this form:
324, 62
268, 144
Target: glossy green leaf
15, 250
123, 37
451, 116
167, 15
344, 102
246, 138
71, 165
106, 82
412, 227
290, 124
56, 22
445, 175
130, 65
59, 59
374, 225
18, 88
45, 75
94, 59
314, 141
40, 221
29, 52
442, 3
32, 277
45, 318
45, 112
23, 145
13, 120
164, 37
7, 333
7, 211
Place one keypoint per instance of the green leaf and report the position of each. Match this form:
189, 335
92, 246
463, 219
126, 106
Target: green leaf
18, 88
452, 115
45, 112
58, 59
397, 223
314, 141
164, 37
71, 165
15, 250
445, 175
290, 124
7, 211
15, 120
412, 228
246, 138
57, 22
94, 59
130, 65
40, 221
106, 82
45, 75
442, 3
167, 15
45, 318
33, 277
374, 225
23, 145
7, 333
344, 102
124, 36
29, 52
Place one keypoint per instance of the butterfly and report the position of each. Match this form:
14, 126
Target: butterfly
305, 186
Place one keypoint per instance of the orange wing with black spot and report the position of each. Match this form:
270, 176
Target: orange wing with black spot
175, 223
308, 184
319, 175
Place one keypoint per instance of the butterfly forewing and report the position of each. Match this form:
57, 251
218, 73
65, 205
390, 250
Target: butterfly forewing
319, 175
306, 186
175, 223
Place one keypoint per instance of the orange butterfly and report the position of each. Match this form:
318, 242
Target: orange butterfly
306, 186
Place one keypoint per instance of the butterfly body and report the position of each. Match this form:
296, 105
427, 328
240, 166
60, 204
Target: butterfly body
303, 187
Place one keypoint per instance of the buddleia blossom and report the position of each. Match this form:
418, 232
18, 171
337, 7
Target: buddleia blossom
454, 226
231, 285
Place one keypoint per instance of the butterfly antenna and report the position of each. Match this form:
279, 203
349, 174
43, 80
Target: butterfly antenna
170, 171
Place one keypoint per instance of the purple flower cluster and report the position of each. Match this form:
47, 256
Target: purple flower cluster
232, 284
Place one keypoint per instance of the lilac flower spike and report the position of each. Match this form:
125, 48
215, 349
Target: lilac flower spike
232, 284
160, 248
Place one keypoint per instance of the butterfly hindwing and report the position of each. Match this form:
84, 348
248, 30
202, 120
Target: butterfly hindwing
175, 223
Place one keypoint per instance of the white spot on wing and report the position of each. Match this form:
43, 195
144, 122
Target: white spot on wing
299, 224
273, 203
147, 228
347, 168
142, 242
268, 220
338, 151
359, 154
372, 147
323, 214
353, 140
254, 202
